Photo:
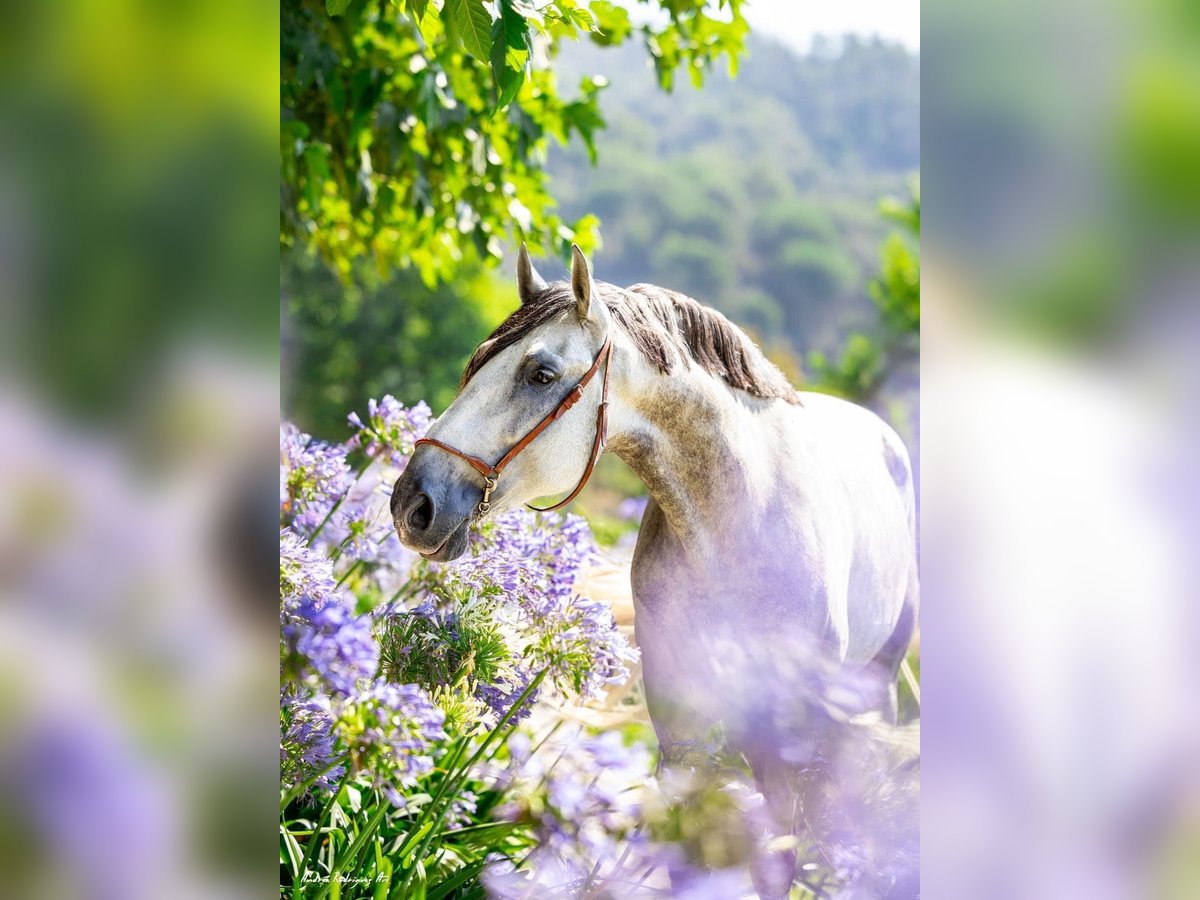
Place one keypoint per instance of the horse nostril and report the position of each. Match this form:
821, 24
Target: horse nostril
420, 516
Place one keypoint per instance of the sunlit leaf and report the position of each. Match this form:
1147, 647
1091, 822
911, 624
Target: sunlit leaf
473, 24
510, 51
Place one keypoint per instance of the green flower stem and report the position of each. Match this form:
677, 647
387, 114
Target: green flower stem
310, 848
362, 470
350, 571
457, 778
306, 785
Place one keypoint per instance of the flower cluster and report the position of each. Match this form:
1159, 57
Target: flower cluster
390, 429
343, 512
583, 797
390, 730
335, 644
333, 709
532, 562
501, 693
305, 576
462, 649
307, 750
447, 649
313, 476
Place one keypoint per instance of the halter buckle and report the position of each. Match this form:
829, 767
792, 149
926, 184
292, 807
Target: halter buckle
489, 485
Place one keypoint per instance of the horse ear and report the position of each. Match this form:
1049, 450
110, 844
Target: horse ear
587, 298
529, 282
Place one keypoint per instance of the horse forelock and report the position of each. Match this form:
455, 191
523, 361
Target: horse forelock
666, 326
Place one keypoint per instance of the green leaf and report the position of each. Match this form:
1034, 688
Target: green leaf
510, 52
336, 7
483, 834
511, 87
582, 18
584, 117
612, 23
383, 874
406, 851
455, 881
294, 853
473, 24
348, 858
417, 7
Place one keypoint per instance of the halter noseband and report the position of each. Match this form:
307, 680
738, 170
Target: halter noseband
491, 473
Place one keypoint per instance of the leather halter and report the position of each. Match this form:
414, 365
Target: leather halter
491, 473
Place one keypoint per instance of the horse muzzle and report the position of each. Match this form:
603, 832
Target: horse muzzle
430, 521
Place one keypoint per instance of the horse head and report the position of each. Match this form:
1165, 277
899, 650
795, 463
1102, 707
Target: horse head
509, 417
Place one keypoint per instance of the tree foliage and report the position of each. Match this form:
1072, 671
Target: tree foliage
870, 358
344, 343
415, 135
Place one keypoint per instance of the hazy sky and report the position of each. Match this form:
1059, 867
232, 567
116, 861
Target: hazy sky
796, 21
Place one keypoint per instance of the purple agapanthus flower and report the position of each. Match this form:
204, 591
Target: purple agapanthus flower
313, 476
397, 727
338, 645
532, 562
503, 693
361, 527
391, 429
308, 746
303, 572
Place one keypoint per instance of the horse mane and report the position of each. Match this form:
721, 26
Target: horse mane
666, 326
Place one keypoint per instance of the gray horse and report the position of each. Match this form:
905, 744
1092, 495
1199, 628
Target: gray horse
774, 515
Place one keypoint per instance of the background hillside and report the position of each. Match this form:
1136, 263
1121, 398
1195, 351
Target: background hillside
758, 195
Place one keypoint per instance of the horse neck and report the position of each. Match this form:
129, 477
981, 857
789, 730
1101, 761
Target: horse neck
696, 444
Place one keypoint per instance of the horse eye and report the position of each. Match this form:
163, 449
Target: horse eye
543, 376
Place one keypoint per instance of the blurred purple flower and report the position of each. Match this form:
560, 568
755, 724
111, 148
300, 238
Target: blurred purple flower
632, 509
101, 809
858, 778
338, 645
313, 476
464, 805
583, 795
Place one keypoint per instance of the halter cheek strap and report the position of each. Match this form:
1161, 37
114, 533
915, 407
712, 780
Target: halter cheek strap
491, 473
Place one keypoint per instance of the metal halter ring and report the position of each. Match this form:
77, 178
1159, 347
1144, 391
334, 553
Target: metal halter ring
489, 485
